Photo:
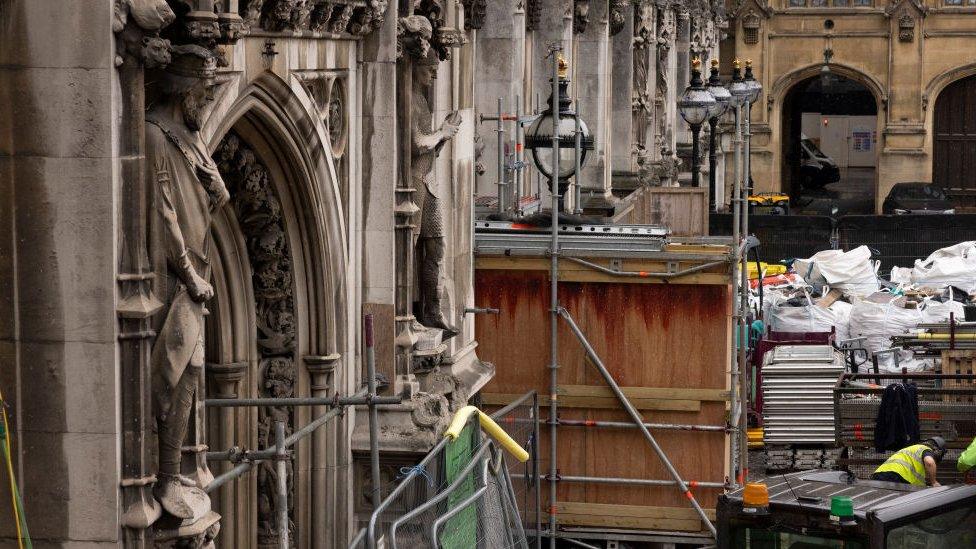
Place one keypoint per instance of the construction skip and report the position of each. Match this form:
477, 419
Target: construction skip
646, 312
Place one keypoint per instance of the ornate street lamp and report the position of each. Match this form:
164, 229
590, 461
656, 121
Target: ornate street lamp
722, 101
755, 88
738, 88
539, 138
695, 106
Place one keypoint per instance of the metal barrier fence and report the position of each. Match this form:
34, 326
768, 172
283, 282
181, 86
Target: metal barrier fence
896, 240
520, 419
781, 236
461, 495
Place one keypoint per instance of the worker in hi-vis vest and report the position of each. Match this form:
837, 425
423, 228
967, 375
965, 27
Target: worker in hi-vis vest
916, 464
967, 460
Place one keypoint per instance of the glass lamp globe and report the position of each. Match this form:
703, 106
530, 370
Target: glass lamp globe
538, 138
738, 88
696, 103
722, 96
753, 85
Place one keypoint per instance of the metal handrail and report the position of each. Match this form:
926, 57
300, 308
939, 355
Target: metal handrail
440, 496
414, 472
514, 404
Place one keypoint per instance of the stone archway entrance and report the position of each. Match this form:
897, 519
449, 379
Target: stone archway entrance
954, 141
272, 332
829, 145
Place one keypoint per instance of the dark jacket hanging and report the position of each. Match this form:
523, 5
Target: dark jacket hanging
897, 424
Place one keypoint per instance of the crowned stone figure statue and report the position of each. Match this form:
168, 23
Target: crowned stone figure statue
429, 231
187, 190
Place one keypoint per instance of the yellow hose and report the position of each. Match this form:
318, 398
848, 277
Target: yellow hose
490, 427
10, 472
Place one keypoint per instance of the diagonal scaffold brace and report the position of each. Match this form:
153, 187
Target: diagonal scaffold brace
638, 420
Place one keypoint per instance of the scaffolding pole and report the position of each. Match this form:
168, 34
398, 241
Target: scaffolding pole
249, 464
374, 424
502, 198
360, 399
578, 150
627, 425
518, 175
554, 295
281, 467
638, 481
737, 372
746, 186
638, 420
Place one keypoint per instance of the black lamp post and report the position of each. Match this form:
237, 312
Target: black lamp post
539, 139
755, 92
722, 100
695, 105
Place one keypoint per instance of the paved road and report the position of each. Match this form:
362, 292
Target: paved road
853, 194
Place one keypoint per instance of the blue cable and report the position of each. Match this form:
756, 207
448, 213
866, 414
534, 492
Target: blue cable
407, 472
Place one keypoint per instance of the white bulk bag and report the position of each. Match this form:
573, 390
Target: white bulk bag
878, 321
850, 271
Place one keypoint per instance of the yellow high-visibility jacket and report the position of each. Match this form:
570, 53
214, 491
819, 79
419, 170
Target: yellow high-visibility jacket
967, 460
908, 463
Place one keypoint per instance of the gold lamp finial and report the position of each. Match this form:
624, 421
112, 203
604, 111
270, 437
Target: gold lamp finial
696, 63
563, 66
748, 63
737, 64
715, 63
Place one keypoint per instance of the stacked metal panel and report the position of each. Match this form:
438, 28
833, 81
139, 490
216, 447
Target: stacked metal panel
797, 388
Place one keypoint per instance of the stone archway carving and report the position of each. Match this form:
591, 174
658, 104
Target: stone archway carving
259, 215
785, 83
280, 122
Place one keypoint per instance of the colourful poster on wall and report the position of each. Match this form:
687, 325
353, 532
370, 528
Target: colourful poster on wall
862, 139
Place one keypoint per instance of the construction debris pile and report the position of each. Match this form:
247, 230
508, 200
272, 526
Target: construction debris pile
834, 313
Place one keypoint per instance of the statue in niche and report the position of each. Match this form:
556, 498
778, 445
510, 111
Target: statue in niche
429, 230
188, 189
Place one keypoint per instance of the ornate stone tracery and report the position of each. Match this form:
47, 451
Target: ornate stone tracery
641, 102
617, 19
581, 15
533, 14
260, 217
335, 16
475, 12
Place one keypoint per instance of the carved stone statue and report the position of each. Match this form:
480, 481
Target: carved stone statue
187, 189
429, 231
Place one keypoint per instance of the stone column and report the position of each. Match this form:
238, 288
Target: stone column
65, 197
682, 48
623, 65
320, 370
137, 304
499, 69
405, 383
226, 380
591, 87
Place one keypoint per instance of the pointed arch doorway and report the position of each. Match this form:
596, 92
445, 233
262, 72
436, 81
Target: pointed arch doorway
275, 328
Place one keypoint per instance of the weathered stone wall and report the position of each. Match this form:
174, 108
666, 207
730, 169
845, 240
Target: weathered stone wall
58, 180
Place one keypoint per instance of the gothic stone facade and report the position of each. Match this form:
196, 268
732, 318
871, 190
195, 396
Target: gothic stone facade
904, 52
310, 120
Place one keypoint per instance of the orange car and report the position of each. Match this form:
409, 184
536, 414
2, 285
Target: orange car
769, 199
